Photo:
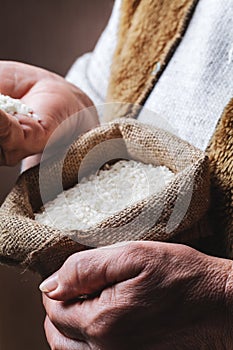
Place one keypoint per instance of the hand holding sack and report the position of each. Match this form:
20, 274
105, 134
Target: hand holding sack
176, 214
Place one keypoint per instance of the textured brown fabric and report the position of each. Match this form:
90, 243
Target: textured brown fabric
41, 248
149, 31
220, 152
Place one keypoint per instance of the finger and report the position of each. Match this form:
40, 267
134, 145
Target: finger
11, 131
20, 136
5, 124
11, 136
71, 319
59, 342
89, 320
34, 129
17, 78
89, 272
34, 133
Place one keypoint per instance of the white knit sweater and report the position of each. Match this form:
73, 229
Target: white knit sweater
195, 86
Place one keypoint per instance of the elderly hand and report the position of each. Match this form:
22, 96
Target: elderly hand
142, 295
51, 97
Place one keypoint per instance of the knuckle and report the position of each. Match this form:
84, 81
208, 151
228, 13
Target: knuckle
87, 325
133, 247
70, 262
96, 330
77, 263
135, 251
45, 301
55, 346
52, 338
46, 328
142, 256
52, 314
100, 326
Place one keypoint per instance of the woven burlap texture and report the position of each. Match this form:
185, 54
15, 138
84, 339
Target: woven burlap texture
31, 245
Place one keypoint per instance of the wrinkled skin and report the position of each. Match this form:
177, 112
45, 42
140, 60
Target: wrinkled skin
51, 97
145, 295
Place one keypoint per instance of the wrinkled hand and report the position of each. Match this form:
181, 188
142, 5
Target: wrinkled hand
51, 97
142, 295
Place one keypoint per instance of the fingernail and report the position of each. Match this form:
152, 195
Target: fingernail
49, 285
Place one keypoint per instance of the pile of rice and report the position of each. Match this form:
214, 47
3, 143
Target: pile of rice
98, 196
14, 106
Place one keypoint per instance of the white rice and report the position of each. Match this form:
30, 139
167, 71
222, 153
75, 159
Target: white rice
98, 196
14, 106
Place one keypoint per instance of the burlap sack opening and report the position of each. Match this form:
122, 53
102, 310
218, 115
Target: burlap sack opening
43, 249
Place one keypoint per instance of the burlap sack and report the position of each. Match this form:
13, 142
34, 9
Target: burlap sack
169, 215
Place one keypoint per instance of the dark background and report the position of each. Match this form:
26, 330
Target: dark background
50, 34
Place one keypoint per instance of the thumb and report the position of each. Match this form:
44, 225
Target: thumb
5, 130
5, 123
89, 272
10, 129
